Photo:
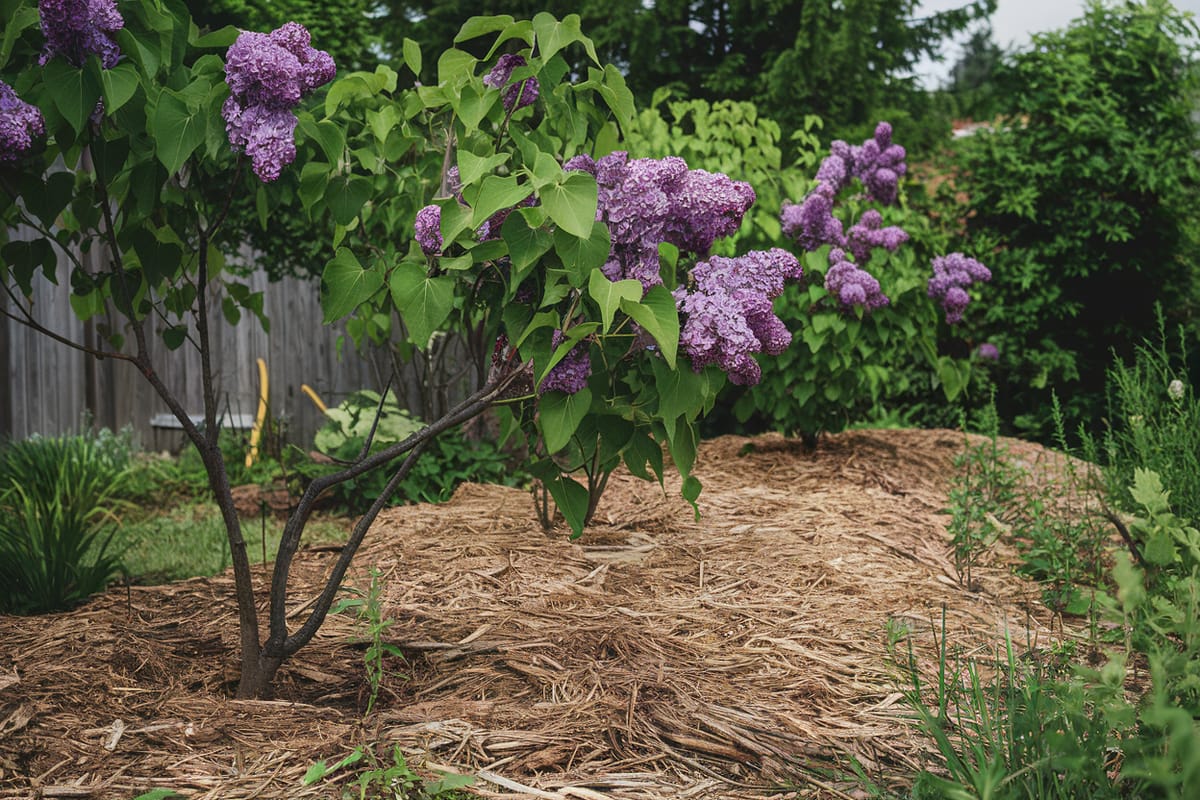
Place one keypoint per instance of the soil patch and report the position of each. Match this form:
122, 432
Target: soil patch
743, 654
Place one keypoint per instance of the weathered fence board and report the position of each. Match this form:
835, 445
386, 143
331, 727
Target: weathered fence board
49, 388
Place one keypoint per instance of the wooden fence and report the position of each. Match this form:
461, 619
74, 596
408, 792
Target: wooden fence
49, 388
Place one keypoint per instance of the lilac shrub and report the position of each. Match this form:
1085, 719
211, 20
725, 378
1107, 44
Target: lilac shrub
861, 318
268, 74
20, 122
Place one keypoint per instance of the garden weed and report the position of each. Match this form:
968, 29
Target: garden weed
368, 608
393, 780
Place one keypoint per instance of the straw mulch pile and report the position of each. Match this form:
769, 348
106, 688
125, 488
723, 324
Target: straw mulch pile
741, 655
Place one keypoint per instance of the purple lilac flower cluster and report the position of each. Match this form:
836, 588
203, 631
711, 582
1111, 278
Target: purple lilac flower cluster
520, 94
878, 164
851, 285
267, 74
77, 29
647, 201
428, 229
952, 275
728, 317
19, 123
571, 373
988, 352
869, 233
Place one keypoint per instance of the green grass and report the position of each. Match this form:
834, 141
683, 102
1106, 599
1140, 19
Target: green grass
189, 540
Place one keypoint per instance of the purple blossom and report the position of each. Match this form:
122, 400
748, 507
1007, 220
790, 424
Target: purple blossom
869, 233
571, 373
428, 229
812, 223
647, 201
988, 352
76, 29
267, 74
264, 133
851, 285
879, 164
19, 123
952, 274
527, 88
581, 163
729, 317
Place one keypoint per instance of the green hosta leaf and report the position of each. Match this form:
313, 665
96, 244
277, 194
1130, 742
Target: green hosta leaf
572, 203
75, 92
346, 195
581, 256
553, 35
346, 285
559, 415
608, 295
424, 302
657, 314
119, 84
177, 130
412, 55
497, 193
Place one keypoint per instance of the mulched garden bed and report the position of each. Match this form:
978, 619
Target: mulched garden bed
741, 655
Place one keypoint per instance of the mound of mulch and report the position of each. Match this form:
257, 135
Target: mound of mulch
744, 654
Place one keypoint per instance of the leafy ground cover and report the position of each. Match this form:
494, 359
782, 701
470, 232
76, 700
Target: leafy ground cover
658, 656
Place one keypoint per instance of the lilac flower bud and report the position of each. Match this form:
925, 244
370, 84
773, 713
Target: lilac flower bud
571, 373
20, 122
427, 229
76, 29
498, 79
988, 352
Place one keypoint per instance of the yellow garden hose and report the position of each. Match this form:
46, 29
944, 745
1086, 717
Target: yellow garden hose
308, 390
261, 416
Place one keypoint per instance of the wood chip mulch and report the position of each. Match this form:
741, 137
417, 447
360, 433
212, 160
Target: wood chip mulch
741, 655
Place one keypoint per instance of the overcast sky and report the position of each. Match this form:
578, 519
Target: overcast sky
1013, 23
